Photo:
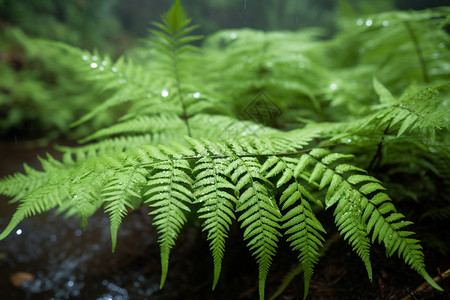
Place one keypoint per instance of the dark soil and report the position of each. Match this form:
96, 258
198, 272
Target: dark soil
65, 262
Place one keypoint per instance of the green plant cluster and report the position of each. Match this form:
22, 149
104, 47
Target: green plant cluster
265, 129
83, 23
38, 82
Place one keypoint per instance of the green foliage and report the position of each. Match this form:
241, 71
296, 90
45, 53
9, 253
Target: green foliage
89, 24
38, 82
188, 143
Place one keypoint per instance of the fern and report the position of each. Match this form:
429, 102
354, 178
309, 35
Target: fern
182, 148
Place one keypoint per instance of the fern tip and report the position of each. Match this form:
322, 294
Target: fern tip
430, 280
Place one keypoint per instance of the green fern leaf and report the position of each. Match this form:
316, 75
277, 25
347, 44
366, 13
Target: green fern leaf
212, 191
260, 215
169, 194
37, 201
117, 196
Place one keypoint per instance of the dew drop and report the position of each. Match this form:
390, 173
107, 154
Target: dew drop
94, 58
196, 95
333, 86
114, 69
385, 23
85, 57
369, 22
94, 65
164, 93
233, 35
19, 231
359, 22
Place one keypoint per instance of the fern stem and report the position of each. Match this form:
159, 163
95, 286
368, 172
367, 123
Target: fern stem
423, 65
184, 116
378, 154
217, 156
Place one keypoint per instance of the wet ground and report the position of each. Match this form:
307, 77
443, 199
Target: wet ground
50, 257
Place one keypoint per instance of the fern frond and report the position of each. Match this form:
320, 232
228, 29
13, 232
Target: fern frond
260, 215
169, 194
111, 145
39, 200
18, 184
118, 196
173, 31
140, 125
215, 193
416, 109
299, 221
253, 62
360, 196
84, 200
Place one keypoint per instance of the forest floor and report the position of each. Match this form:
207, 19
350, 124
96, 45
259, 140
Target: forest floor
50, 257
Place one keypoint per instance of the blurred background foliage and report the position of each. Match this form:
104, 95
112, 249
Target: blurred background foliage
40, 93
